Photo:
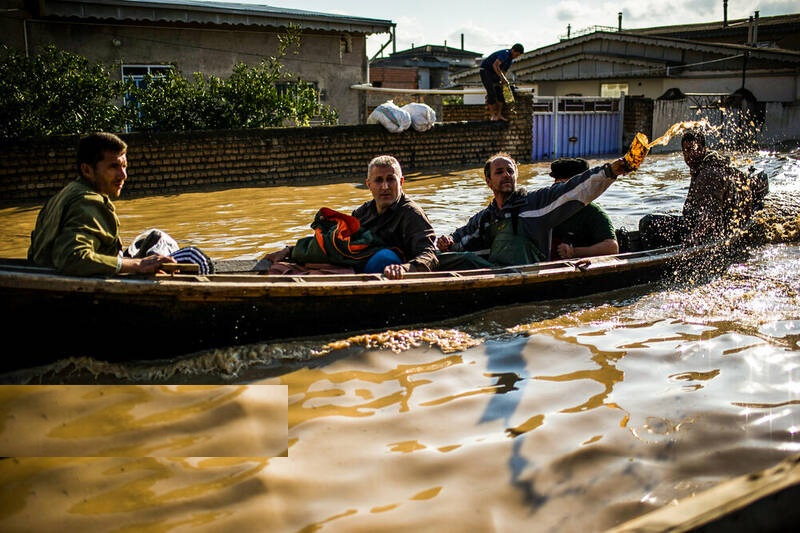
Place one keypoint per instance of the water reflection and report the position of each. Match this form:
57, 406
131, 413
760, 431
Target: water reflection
563, 416
142, 420
125, 493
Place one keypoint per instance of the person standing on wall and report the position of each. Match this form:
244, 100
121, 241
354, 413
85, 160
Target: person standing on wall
493, 75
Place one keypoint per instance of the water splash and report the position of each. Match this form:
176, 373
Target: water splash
447, 340
641, 145
680, 127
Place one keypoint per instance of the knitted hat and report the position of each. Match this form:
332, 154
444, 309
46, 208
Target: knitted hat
567, 167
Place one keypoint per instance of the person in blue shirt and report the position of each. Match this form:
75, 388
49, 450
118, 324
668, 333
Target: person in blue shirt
493, 76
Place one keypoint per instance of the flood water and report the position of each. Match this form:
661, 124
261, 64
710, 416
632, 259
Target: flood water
566, 416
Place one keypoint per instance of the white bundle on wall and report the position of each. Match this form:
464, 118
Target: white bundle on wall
422, 116
391, 117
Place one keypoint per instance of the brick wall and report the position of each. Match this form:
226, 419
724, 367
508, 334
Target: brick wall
399, 78
637, 117
459, 112
160, 163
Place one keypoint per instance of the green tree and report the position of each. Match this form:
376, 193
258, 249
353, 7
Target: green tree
55, 92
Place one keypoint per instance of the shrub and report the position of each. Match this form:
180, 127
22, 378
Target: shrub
58, 92
55, 92
249, 98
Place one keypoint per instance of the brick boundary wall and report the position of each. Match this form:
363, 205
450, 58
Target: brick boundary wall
456, 112
637, 117
31, 171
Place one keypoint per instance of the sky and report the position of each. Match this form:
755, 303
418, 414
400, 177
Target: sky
533, 23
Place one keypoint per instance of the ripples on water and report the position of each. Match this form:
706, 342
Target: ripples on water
247, 223
564, 416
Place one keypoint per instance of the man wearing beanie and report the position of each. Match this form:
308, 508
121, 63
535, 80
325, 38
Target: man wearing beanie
589, 232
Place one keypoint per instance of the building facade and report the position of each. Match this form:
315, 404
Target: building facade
421, 67
134, 37
605, 63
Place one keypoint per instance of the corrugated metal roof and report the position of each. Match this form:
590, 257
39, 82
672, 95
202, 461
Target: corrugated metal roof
644, 60
211, 13
667, 42
763, 22
438, 50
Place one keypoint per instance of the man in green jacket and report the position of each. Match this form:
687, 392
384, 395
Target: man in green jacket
77, 231
587, 233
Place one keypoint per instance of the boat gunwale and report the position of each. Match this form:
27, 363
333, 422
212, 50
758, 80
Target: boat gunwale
15, 275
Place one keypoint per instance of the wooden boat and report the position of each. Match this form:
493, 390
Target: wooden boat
759, 502
126, 318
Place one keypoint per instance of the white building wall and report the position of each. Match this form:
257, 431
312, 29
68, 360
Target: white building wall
764, 88
782, 123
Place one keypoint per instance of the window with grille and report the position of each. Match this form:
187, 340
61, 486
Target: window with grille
613, 90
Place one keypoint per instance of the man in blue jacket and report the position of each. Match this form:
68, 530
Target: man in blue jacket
493, 76
515, 228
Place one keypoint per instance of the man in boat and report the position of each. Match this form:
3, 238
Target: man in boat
77, 231
390, 223
587, 233
721, 199
515, 228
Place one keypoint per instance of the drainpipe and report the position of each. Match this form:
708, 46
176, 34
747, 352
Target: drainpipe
24, 19
724, 13
749, 31
619, 18
25, 34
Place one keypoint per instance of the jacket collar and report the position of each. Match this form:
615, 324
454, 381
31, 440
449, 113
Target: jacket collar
515, 201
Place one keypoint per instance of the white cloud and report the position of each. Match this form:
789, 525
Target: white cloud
534, 23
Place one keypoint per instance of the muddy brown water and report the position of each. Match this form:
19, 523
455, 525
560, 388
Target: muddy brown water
566, 416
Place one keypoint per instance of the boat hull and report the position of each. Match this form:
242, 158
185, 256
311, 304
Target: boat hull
129, 318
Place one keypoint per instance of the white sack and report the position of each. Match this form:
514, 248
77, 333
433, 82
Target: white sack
422, 116
391, 117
